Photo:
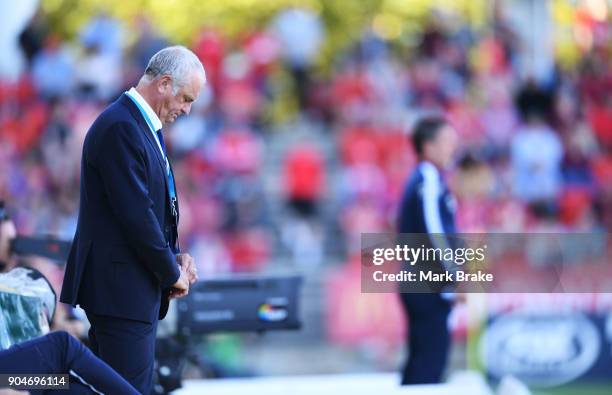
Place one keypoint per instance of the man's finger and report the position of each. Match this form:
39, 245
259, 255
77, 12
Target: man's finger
178, 293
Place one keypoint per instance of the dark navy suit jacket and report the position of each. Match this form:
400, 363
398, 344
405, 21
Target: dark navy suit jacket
427, 205
122, 261
427, 211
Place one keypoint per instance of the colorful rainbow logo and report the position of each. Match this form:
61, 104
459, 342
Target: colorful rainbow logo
270, 313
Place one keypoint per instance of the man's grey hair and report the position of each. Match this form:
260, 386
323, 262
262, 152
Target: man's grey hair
177, 62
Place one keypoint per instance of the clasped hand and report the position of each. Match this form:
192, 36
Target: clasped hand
189, 275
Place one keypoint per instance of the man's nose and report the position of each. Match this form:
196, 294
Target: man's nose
186, 109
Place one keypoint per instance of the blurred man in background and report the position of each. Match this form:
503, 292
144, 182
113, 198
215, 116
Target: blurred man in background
428, 207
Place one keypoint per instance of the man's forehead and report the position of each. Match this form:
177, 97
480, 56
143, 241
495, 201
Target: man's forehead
194, 86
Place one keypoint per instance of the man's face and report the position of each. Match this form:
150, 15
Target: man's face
7, 234
441, 150
174, 105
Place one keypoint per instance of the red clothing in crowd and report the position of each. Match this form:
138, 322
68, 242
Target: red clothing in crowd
600, 118
304, 173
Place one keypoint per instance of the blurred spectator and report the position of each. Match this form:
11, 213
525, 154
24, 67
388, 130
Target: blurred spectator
210, 48
303, 179
500, 118
97, 74
53, 69
536, 153
237, 150
104, 33
600, 118
33, 37
263, 50
577, 137
59, 148
595, 77
532, 101
433, 37
149, 41
300, 33
473, 183
14, 17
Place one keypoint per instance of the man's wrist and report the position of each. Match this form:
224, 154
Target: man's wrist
175, 278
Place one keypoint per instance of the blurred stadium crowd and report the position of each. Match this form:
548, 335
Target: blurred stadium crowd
536, 153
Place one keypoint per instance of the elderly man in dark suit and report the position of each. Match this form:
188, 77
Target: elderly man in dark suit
125, 263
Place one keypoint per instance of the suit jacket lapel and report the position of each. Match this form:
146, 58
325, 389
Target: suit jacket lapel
147, 131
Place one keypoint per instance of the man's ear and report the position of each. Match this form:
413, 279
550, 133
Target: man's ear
164, 84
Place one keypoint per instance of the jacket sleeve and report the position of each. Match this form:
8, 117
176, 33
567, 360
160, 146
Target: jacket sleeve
438, 234
122, 167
